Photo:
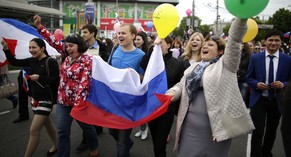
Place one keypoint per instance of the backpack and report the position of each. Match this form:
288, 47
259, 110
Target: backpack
52, 91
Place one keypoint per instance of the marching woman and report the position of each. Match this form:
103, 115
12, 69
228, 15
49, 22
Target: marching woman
43, 89
160, 127
212, 110
75, 84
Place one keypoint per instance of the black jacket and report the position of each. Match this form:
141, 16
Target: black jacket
243, 67
39, 67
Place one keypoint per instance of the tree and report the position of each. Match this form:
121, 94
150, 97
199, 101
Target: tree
226, 29
261, 33
204, 29
179, 31
281, 20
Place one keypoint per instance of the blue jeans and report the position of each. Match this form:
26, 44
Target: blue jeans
123, 141
64, 122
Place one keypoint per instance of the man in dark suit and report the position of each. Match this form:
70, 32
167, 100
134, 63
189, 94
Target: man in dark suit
268, 73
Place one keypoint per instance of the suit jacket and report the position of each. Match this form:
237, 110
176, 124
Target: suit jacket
257, 73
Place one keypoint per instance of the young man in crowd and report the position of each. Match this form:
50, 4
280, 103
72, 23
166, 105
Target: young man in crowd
268, 74
125, 56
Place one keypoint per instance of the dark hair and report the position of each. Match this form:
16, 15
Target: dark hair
178, 42
91, 29
246, 49
219, 41
39, 42
274, 32
77, 39
109, 44
145, 45
169, 40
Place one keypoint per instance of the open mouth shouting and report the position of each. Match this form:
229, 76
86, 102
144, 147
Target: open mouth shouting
204, 52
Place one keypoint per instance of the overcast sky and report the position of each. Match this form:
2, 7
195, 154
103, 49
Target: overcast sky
206, 9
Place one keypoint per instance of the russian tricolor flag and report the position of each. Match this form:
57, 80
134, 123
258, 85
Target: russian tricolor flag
25, 77
18, 34
119, 100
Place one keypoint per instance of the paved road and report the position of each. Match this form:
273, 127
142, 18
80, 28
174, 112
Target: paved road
14, 138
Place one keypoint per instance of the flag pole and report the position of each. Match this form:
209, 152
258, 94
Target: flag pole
39, 84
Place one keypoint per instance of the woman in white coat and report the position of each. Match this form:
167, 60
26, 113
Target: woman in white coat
212, 110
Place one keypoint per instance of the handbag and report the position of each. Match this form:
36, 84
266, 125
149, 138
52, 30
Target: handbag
6, 87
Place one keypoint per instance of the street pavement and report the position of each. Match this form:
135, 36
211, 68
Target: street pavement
14, 138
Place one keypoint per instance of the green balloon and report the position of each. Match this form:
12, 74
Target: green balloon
245, 8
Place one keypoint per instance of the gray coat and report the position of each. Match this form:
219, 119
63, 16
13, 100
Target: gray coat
225, 106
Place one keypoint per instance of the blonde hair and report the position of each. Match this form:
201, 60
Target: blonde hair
188, 50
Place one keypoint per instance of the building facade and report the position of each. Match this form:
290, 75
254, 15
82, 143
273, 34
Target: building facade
102, 13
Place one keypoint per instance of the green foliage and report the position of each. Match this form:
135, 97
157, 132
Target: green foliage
281, 20
179, 31
261, 34
204, 29
226, 29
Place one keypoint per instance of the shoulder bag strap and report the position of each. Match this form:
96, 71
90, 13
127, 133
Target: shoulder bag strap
113, 50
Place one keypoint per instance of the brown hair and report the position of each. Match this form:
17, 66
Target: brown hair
219, 41
169, 40
246, 48
178, 42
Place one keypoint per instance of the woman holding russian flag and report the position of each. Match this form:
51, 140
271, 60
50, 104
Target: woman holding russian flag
160, 127
42, 83
75, 84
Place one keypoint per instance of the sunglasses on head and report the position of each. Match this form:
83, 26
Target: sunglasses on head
215, 38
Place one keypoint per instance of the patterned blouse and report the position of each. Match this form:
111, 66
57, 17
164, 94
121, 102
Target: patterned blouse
50, 38
75, 80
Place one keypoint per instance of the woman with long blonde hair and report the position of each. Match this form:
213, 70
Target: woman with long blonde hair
192, 50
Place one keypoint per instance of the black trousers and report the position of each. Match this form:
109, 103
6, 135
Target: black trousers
286, 127
266, 117
160, 129
123, 141
23, 98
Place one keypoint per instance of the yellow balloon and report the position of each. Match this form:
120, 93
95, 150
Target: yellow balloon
165, 18
252, 30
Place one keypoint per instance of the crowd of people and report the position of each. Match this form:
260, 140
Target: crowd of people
212, 83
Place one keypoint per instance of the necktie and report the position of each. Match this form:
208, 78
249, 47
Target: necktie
271, 76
